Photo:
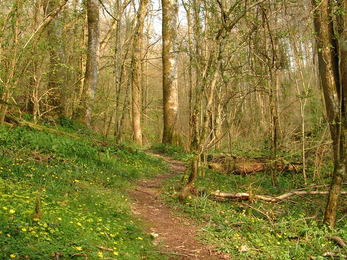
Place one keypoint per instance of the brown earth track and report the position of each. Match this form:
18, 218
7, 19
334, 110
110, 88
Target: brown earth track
177, 235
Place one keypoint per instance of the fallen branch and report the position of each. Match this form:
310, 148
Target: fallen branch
81, 255
105, 248
247, 196
337, 240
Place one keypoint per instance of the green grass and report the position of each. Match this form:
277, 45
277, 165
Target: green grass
79, 188
291, 229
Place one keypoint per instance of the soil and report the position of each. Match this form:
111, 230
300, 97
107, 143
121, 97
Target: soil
175, 234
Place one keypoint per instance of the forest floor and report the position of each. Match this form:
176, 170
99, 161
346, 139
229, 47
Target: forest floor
176, 234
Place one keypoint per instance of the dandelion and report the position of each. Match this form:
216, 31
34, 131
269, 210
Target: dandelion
59, 218
79, 224
139, 238
24, 229
12, 255
4, 208
115, 253
8, 235
100, 254
79, 248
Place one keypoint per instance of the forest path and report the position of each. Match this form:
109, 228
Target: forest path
176, 234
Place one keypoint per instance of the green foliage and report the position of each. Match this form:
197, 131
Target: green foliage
174, 151
66, 195
291, 229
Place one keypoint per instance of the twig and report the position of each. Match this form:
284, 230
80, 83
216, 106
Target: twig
57, 255
297, 220
81, 255
105, 248
261, 212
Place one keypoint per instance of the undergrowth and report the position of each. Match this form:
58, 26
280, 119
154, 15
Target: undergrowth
291, 229
174, 151
63, 197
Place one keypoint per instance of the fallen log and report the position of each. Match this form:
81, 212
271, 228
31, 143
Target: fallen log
248, 196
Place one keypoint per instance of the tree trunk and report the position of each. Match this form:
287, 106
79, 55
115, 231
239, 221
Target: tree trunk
91, 73
331, 45
170, 87
56, 73
136, 81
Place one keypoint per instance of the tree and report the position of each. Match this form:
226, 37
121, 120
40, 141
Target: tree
330, 22
211, 46
91, 72
136, 72
56, 72
170, 87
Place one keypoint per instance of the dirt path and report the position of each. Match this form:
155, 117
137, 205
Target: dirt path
176, 234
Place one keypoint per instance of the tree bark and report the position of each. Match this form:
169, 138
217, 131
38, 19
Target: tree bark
136, 81
170, 87
56, 73
91, 72
331, 45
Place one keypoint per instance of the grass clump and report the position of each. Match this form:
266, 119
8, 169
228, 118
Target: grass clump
64, 197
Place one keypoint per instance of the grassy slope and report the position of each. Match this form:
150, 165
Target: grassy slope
66, 196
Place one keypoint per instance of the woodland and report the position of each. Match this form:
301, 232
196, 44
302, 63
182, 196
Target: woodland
250, 91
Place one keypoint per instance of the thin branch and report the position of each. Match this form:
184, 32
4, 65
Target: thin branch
46, 21
248, 196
